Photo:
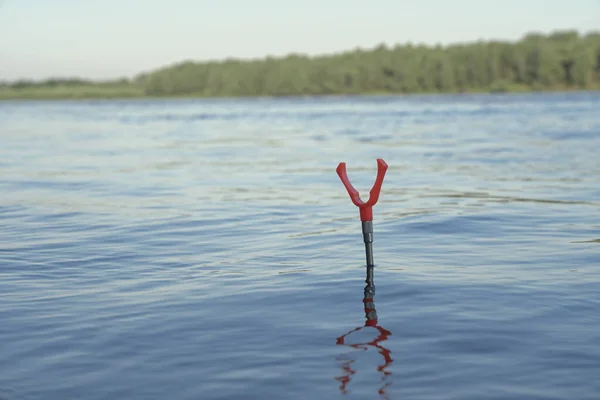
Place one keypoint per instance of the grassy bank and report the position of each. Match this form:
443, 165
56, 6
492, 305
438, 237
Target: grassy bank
82, 92
91, 92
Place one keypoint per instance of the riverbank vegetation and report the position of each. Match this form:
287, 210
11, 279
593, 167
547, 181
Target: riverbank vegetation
70, 89
563, 60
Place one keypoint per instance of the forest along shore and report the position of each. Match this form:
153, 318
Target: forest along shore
563, 60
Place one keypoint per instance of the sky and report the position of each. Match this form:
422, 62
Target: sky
106, 39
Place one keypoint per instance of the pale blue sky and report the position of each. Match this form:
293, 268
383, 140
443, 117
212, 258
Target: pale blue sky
112, 38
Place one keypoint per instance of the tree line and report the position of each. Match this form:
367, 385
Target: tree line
559, 60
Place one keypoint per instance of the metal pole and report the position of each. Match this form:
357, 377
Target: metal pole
367, 229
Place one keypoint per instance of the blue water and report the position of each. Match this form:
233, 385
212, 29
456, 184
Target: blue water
206, 249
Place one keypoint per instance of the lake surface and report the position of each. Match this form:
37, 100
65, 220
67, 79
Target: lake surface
206, 249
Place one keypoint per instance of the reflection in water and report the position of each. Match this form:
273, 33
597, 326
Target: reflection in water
382, 335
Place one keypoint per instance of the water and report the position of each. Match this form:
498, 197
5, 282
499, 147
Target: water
206, 249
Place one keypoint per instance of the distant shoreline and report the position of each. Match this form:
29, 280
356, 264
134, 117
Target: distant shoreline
563, 61
79, 95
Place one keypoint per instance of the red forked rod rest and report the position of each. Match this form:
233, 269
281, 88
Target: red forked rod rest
366, 209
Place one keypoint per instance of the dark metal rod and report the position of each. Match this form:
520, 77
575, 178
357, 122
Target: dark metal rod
367, 229
369, 254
